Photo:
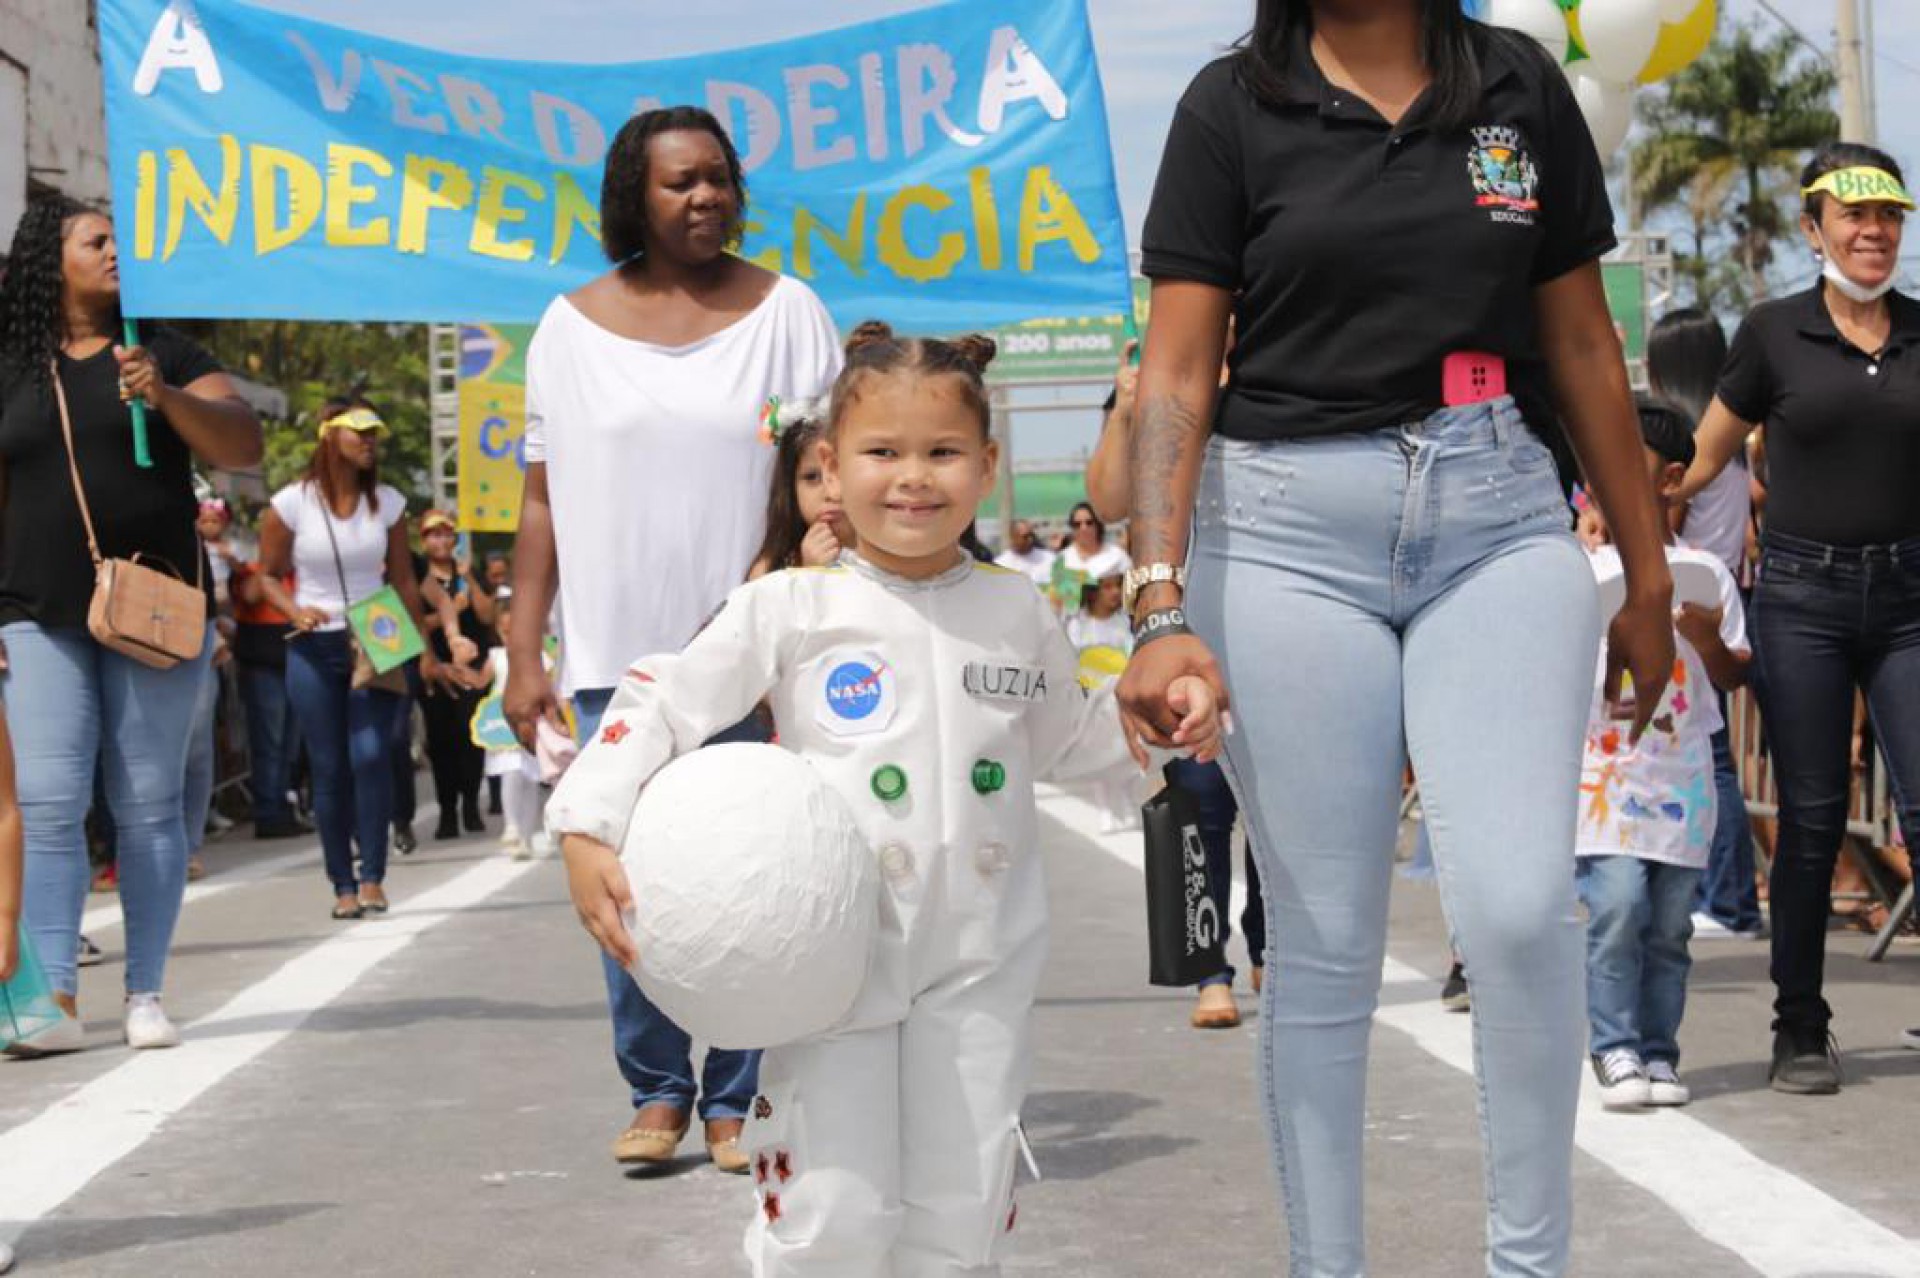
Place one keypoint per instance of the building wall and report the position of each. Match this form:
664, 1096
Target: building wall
50, 65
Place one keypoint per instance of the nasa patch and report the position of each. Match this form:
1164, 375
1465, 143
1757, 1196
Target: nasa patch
858, 694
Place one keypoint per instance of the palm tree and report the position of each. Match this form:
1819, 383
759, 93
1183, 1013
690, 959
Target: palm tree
1735, 126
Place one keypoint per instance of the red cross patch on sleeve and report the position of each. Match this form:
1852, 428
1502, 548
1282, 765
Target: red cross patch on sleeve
616, 732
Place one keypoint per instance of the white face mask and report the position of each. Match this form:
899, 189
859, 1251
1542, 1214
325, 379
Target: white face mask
1831, 272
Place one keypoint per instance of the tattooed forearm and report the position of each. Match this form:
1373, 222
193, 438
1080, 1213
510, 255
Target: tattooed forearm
1169, 439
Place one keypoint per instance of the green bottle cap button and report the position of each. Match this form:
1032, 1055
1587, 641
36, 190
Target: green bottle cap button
989, 777
889, 783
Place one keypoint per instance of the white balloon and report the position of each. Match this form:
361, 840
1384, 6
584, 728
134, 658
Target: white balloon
1619, 35
1608, 109
1540, 19
1678, 10
756, 897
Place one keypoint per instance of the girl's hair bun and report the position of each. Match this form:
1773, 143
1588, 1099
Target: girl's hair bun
976, 349
870, 333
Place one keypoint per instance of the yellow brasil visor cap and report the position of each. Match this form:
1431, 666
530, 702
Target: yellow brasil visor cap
1861, 185
360, 419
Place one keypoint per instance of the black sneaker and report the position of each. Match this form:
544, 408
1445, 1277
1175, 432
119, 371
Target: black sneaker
471, 818
288, 829
403, 841
1453, 995
1806, 1062
449, 827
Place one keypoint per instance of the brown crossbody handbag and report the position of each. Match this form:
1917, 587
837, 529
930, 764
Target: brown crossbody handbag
138, 611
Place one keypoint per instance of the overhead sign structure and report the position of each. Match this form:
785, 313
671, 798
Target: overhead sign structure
946, 168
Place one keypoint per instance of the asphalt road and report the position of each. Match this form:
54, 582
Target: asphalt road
434, 1094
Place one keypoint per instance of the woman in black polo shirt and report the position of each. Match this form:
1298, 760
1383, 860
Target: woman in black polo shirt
1401, 210
1834, 374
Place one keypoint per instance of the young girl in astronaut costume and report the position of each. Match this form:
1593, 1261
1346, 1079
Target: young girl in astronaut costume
931, 691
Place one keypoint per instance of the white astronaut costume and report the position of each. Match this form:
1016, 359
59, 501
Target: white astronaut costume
886, 1148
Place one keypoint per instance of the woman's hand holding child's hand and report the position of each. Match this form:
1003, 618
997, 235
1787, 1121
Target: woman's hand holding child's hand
1202, 727
1201, 734
598, 885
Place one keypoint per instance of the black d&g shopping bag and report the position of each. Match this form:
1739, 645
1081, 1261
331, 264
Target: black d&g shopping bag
1184, 934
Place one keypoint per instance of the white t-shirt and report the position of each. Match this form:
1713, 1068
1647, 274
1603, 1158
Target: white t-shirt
1036, 564
362, 537
656, 470
1717, 516
1085, 631
1655, 800
1108, 561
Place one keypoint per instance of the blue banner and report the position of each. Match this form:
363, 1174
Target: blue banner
942, 169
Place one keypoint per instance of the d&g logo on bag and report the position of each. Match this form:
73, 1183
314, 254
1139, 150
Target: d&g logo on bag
1505, 181
1203, 914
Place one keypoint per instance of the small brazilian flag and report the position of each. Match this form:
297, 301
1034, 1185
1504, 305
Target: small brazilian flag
385, 631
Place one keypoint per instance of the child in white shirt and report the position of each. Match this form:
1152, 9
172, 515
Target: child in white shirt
932, 691
1647, 817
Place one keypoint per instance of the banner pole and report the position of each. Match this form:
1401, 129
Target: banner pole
142, 457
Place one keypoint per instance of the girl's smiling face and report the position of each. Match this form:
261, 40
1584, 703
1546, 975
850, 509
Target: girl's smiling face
913, 461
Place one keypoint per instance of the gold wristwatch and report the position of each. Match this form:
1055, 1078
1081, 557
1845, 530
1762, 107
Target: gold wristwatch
1144, 575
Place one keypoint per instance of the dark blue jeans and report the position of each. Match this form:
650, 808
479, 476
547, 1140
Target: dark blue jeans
655, 1055
1207, 784
1727, 892
349, 736
1827, 620
270, 741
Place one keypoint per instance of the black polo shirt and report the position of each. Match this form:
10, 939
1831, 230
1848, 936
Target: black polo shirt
1362, 254
1843, 424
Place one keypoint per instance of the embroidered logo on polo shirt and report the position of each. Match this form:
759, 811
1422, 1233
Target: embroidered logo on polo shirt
1505, 181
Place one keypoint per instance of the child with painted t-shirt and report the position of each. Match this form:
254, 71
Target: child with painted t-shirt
1647, 816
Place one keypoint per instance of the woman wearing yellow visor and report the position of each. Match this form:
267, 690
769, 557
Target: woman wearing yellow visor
343, 534
1834, 375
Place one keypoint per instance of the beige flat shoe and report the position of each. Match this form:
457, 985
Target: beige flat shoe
648, 1146
723, 1145
1215, 1008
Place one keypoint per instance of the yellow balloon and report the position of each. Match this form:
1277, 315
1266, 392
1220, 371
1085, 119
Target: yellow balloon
1680, 43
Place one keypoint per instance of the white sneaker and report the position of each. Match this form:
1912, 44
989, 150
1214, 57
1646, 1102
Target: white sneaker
1664, 1086
64, 1035
147, 1025
1708, 928
519, 851
1623, 1079
6, 1258
1910, 1039
509, 836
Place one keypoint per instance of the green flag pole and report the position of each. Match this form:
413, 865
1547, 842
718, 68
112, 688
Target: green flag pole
142, 457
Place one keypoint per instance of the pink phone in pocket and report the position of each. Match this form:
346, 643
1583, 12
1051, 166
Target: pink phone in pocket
1472, 377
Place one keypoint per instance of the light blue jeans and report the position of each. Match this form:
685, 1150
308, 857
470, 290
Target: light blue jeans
1639, 920
655, 1056
202, 762
1411, 590
69, 702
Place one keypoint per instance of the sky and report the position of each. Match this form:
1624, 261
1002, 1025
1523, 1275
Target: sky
1148, 50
